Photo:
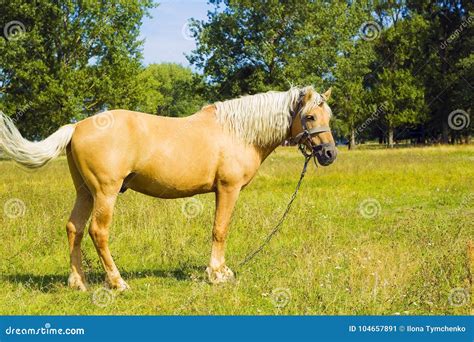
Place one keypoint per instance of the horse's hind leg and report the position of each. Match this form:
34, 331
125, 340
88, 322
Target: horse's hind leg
99, 232
75, 227
75, 231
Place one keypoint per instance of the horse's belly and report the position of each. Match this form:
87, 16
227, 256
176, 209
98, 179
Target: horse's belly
168, 187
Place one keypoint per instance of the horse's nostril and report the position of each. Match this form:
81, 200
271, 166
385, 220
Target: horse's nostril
329, 154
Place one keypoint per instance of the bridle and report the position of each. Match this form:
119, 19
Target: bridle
304, 138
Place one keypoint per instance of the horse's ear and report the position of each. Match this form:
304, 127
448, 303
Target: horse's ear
327, 94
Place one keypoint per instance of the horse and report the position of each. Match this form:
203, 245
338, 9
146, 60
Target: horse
218, 149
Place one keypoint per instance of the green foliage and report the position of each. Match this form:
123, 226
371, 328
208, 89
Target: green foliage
402, 96
248, 47
76, 58
252, 46
169, 89
242, 48
352, 101
73, 58
448, 75
398, 87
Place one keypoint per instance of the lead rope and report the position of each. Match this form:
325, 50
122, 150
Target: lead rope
249, 257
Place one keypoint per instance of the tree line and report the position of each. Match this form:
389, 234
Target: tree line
400, 70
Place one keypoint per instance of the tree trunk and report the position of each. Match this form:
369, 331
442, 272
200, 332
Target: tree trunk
390, 137
352, 142
445, 132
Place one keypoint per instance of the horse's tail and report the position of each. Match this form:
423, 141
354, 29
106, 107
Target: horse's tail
32, 154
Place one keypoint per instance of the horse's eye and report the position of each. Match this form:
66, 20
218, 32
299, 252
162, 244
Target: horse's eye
310, 118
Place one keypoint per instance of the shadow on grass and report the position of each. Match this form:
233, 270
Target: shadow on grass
53, 282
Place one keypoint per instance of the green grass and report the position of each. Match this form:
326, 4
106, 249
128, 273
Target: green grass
329, 259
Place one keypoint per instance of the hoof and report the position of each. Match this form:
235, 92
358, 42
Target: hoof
119, 285
76, 282
222, 275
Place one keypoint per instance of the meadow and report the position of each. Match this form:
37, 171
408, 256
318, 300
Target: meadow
378, 232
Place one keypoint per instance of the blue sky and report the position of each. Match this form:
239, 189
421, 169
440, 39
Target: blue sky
165, 37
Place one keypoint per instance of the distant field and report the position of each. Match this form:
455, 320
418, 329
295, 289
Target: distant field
378, 232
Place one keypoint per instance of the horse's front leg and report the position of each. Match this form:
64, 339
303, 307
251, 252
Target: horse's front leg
217, 271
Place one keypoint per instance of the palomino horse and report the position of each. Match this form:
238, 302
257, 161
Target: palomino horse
219, 149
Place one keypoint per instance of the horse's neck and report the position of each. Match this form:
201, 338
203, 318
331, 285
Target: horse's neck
264, 152
208, 113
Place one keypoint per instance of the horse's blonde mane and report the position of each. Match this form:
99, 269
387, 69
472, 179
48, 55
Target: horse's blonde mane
264, 119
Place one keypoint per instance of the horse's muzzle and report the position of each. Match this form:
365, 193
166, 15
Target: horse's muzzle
325, 153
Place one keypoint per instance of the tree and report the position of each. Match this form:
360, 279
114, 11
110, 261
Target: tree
355, 54
350, 96
402, 96
243, 47
252, 46
462, 96
398, 52
448, 75
169, 89
61, 60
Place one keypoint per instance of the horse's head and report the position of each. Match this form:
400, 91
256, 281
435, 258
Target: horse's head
310, 127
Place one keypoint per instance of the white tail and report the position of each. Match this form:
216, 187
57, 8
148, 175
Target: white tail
32, 154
